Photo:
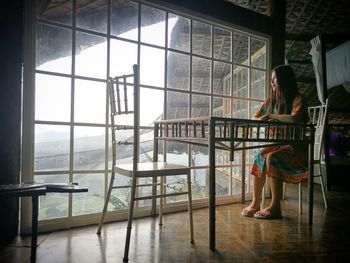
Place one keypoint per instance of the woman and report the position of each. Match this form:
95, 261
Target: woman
280, 163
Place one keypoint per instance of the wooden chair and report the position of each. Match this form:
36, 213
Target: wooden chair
119, 104
318, 117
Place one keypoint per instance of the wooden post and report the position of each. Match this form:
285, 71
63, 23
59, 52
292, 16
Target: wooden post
10, 113
276, 9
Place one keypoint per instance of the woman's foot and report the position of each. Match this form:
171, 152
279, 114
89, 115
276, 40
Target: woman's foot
249, 211
268, 213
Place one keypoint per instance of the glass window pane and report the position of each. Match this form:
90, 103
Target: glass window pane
126, 119
221, 107
179, 33
177, 105
240, 49
124, 152
53, 205
178, 71
222, 78
258, 84
200, 106
53, 49
237, 180
152, 66
201, 38
151, 106
57, 11
254, 107
240, 109
200, 184
124, 19
91, 56
222, 182
177, 153
201, 71
89, 101
222, 44
176, 182
91, 201
240, 81
119, 197
122, 51
52, 98
152, 26
200, 156
146, 145
258, 53
92, 16
89, 148
51, 147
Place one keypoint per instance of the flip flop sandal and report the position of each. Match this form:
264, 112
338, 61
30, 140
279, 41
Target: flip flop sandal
266, 215
248, 212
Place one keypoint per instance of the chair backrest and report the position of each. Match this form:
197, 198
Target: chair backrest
120, 91
318, 116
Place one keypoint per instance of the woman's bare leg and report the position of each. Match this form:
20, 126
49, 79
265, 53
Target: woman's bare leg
274, 207
258, 184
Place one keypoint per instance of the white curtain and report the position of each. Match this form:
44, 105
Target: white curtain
338, 66
337, 63
315, 52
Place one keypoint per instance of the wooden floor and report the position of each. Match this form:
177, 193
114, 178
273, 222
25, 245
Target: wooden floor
239, 239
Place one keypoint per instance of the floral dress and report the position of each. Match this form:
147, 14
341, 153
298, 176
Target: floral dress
287, 162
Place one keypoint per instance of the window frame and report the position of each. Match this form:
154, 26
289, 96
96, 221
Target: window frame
28, 133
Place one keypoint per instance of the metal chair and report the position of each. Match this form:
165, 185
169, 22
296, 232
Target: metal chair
119, 104
318, 117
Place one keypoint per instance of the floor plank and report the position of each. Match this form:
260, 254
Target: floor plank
239, 239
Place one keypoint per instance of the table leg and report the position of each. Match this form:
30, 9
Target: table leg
34, 228
212, 187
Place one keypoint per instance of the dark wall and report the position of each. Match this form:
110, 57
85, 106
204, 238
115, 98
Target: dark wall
11, 22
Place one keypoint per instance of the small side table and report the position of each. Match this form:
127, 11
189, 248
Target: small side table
35, 190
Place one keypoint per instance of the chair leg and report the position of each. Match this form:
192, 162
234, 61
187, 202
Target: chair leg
130, 217
190, 213
283, 191
323, 187
105, 206
161, 201
300, 199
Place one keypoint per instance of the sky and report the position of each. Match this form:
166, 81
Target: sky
53, 93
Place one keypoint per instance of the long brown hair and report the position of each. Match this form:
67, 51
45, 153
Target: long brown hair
283, 96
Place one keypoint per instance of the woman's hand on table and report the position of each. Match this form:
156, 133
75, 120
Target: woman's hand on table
264, 118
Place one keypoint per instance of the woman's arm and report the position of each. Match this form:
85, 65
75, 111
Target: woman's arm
290, 118
298, 114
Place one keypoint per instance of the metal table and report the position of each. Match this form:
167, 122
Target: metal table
234, 134
34, 190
